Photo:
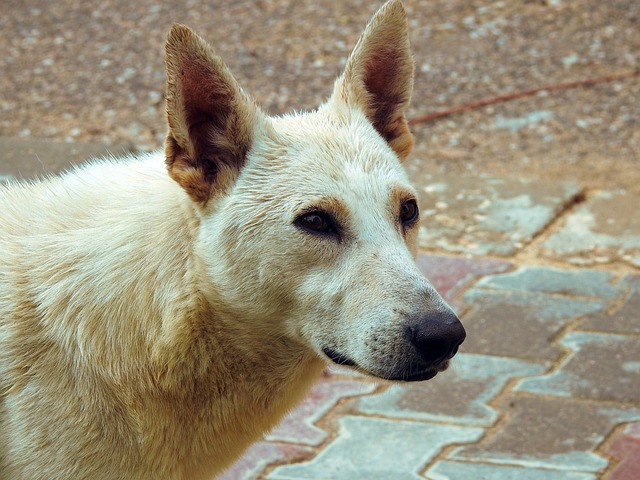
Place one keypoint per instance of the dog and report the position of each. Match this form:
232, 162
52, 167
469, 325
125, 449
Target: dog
161, 312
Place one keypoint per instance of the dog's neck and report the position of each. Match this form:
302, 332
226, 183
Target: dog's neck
239, 391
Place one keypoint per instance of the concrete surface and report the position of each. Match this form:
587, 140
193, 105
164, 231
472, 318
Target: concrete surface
35, 158
486, 215
529, 227
93, 71
595, 234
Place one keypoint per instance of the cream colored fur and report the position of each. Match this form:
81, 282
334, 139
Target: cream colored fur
153, 325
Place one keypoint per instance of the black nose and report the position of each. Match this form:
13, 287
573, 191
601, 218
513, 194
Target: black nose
437, 335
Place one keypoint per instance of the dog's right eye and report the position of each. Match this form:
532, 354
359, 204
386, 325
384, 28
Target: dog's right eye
317, 222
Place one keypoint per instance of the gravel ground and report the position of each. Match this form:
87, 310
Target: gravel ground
94, 71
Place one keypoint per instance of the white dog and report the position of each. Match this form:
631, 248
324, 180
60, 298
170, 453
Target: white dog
153, 325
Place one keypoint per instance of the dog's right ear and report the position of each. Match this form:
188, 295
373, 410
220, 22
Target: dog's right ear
378, 76
211, 120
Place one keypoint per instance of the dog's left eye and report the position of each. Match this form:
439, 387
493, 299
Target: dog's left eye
317, 222
409, 212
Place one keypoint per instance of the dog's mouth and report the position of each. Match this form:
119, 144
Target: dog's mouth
338, 358
415, 374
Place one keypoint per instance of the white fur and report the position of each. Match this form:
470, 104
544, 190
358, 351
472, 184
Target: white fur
153, 325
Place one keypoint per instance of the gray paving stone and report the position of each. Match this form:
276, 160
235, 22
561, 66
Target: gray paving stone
444, 470
603, 230
600, 367
632, 282
481, 214
626, 318
374, 448
518, 324
461, 395
578, 283
550, 433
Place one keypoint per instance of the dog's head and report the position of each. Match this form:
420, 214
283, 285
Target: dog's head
308, 221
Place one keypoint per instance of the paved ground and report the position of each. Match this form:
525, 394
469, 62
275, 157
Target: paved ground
530, 224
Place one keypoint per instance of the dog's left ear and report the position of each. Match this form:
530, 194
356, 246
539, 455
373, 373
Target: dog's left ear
211, 120
378, 76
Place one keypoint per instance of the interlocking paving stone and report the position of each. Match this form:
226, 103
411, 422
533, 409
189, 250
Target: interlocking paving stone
624, 447
260, 455
374, 448
481, 214
626, 318
298, 426
600, 367
578, 283
287, 442
451, 275
444, 470
605, 229
633, 430
460, 395
521, 325
549, 432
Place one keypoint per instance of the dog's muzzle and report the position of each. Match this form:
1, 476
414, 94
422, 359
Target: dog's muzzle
436, 338
433, 339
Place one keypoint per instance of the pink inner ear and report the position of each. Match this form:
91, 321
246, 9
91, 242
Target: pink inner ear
383, 81
211, 122
380, 72
205, 98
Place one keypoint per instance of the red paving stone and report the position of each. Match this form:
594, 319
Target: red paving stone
452, 275
298, 426
262, 454
633, 430
289, 442
625, 449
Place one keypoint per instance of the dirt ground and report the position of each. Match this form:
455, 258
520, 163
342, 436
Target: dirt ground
93, 71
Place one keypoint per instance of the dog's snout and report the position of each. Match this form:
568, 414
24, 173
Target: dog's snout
437, 336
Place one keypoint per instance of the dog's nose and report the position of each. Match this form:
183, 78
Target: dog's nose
437, 336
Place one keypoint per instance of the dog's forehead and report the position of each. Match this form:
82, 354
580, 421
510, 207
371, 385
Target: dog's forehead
353, 151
